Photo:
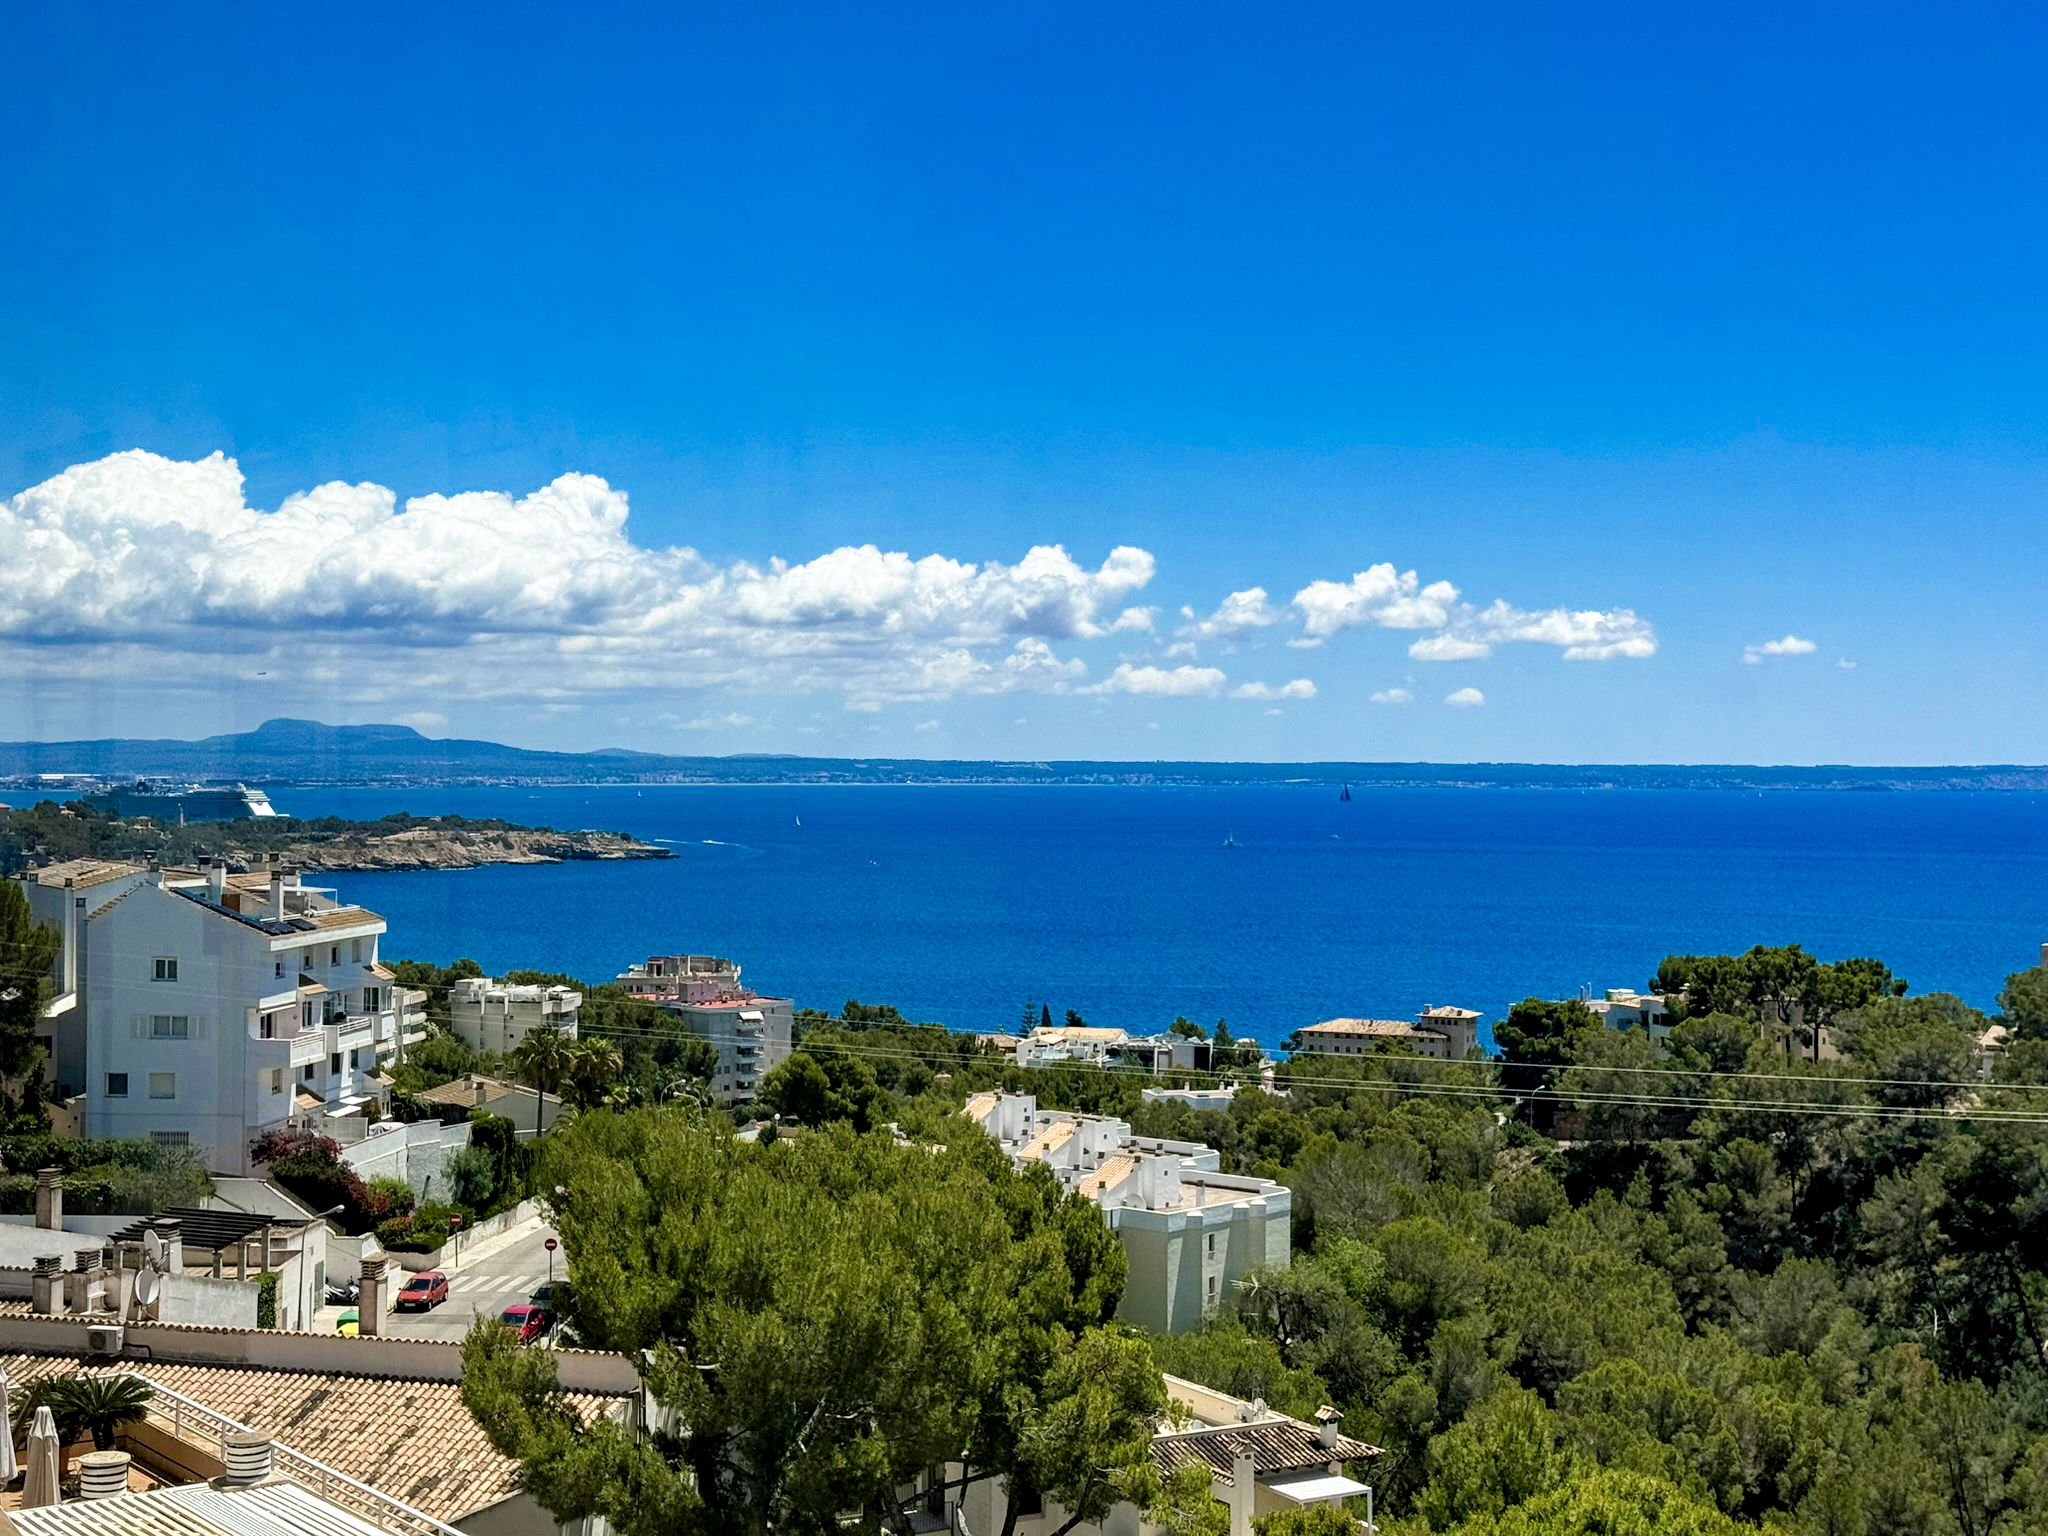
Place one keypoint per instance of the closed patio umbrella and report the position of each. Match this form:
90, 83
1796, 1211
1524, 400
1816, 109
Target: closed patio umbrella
9, 1468
40, 1486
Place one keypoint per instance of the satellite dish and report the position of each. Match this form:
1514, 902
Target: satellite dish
147, 1284
154, 1248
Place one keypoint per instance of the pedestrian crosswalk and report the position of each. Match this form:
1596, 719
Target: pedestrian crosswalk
515, 1287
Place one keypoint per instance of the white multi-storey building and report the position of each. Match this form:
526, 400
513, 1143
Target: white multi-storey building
494, 1016
1190, 1232
199, 1008
752, 1033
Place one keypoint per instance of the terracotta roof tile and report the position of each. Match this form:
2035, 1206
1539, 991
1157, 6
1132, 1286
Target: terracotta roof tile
1276, 1445
84, 872
410, 1439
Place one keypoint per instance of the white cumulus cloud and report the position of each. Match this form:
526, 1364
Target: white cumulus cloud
1386, 598
726, 722
1300, 688
1378, 595
1392, 696
1178, 682
1791, 645
146, 565
1466, 698
1240, 614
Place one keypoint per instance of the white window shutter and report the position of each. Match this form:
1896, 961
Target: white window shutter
138, 1026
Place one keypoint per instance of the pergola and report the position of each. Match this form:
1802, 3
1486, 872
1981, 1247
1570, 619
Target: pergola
215, 1232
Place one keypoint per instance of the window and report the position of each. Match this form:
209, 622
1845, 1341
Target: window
163, 1085
334, 1062
355, 1059
166, 967
171, 1138
1212, 1290
373, 1000
1212, 1245
308, 1073
279, 971
170, 1026
334, 955
117, 1085
277, 1079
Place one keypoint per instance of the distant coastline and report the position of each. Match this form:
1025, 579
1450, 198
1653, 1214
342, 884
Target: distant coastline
305, 752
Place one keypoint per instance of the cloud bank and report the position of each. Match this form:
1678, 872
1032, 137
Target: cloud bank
1382, 597
539, 595
147, 568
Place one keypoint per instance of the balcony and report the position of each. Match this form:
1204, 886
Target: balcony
347, 1031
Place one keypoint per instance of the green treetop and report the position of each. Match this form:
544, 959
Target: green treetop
817, 1320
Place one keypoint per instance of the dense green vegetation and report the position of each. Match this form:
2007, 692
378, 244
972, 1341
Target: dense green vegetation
1589, 1287
647, 1055
49, 832
830, 1316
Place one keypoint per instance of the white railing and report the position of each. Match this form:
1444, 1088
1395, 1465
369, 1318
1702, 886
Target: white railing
185, 1419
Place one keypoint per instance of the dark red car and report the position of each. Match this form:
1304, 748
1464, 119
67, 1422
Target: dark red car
529, 1321
428, 1288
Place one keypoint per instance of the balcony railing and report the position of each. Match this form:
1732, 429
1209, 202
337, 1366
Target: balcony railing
196, 1424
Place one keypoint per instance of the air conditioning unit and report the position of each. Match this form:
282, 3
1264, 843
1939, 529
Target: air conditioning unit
103, 1339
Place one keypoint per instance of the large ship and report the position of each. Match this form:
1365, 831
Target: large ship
175, 804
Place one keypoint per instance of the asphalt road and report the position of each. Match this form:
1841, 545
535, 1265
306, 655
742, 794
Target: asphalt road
503, 1270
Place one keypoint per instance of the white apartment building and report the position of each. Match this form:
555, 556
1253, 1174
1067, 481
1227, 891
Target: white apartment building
494, 1016
1620, 1008
752, 1033
198, 1008
1440, 1032
1189, 1231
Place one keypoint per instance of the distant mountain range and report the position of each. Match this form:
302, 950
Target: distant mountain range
306, 751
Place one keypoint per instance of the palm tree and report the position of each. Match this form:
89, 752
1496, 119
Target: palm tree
544, 1056
593, 1065
101, 1404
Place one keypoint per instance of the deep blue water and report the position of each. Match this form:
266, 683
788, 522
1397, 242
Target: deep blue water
1123, 903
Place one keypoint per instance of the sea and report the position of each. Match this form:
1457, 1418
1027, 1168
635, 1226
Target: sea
1269, 906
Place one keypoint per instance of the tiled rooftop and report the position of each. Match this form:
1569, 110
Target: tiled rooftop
1386, 1028
412, 1440
1112, 1173
1049, 1140
85, 872
1276, 1445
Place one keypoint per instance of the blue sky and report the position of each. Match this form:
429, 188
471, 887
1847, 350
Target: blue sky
1678, 335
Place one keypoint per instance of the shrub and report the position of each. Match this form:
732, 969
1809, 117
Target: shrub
396, 1194
311, 1169
266, 1299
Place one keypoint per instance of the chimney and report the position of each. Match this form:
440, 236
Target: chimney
78, 1285
247, 1456
50, 1198
1329, 1418
1242, 1494
370, 1298
43, 1282
276, 892
477, 1085
217, 878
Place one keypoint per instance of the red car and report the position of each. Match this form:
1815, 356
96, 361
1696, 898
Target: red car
428, 1288
528, 1320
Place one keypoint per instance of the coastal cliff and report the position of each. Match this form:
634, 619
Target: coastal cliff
47, 832
434, 847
